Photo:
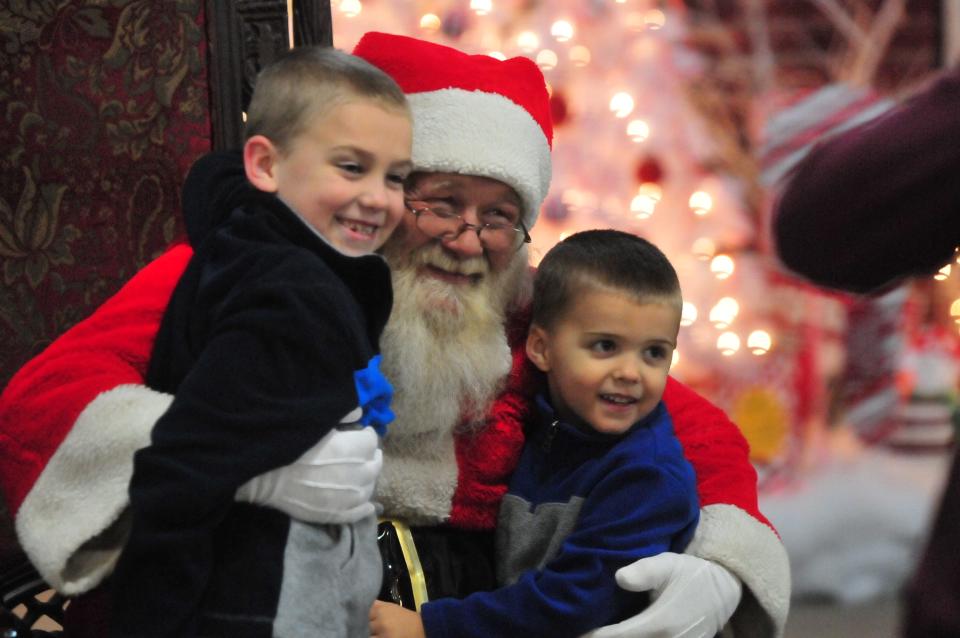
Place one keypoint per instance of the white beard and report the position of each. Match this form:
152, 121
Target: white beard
445, 352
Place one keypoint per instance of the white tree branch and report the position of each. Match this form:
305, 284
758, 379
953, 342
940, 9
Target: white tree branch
763, 63
868, 57
842, 21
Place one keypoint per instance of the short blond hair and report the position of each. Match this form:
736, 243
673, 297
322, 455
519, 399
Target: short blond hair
307, 81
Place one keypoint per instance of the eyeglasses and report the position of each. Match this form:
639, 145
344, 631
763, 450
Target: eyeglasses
442, 221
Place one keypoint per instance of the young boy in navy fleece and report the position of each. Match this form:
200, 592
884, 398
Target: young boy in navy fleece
602, 481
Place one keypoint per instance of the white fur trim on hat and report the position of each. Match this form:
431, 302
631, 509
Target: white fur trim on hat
485, 134
752, 551
67, 522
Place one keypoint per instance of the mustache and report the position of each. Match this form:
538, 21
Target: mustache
434, 255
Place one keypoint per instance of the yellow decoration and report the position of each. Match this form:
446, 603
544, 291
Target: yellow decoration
762, 418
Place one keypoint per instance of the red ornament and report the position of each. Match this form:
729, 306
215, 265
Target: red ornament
558, 108
455, 22
555, 210
649, 170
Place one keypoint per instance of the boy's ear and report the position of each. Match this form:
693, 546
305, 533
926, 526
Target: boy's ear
537, 349
259, 163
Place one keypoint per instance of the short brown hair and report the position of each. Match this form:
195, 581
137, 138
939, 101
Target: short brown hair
610, 258
305, 82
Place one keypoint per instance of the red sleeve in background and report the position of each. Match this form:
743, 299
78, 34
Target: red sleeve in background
880, 201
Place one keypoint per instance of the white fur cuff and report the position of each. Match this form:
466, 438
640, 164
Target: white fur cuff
729, 536
63, 523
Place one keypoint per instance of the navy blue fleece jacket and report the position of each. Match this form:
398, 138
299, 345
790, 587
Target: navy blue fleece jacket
581, 505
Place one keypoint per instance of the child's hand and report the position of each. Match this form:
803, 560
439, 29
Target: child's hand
388, 620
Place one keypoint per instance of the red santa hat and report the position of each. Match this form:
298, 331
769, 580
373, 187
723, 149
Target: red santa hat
472, 114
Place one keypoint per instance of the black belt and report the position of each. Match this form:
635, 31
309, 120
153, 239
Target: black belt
434, 561
404, 582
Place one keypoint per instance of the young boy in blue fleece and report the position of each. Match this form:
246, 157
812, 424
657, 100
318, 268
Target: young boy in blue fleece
602, 480
270, 341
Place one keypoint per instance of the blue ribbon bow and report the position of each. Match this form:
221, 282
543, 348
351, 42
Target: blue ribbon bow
374, 393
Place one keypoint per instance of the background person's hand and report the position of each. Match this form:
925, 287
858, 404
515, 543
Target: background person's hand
692, 598
331, 483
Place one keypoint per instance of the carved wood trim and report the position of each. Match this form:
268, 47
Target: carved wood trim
245, 35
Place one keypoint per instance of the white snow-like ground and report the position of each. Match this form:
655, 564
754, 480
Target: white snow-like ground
854, 522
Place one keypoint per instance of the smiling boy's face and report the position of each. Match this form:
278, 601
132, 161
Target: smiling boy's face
607, 357
344, 173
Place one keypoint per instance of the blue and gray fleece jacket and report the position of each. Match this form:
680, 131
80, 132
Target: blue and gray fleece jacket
581, 505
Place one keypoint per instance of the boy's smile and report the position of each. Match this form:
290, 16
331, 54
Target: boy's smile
607, 357
362, 229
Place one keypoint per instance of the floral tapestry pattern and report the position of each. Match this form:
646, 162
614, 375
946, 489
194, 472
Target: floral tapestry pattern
104, 107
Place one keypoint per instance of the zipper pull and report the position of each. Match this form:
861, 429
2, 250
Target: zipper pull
552, 432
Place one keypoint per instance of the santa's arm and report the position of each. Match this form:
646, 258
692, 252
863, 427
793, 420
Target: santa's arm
70, 421
732, 531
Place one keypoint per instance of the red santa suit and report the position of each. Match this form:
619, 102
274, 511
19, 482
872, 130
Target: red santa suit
69, 439
72, 418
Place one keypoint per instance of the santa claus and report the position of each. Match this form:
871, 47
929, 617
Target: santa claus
71, 419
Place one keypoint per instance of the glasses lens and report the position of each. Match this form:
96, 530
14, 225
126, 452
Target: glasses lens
438, 223
446, 224
498, 237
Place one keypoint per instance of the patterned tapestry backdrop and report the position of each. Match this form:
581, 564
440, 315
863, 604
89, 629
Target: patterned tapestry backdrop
104, 107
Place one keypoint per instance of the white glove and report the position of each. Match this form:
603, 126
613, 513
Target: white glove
692, 598
331, 483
